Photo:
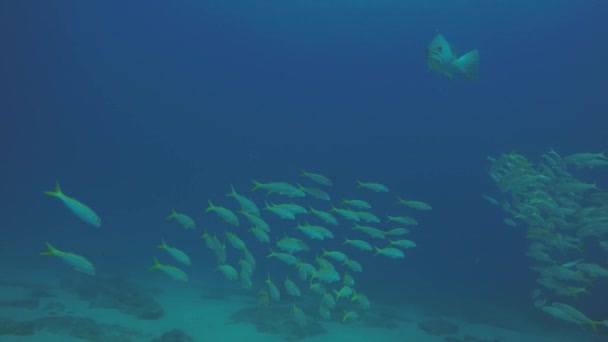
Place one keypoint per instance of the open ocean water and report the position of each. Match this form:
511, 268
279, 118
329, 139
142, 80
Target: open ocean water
136, 108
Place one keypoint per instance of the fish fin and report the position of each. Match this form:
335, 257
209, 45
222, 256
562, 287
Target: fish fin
163, 245
51, 250
210, 207
156, 265
469, 64
232, 192
257, 185
173, 214
57, 192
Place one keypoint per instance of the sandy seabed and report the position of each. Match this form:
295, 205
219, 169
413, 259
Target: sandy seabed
34, 308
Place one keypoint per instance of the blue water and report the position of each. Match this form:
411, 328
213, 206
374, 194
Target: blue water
140, 107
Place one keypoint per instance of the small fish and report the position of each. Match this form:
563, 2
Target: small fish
172, 271
377, 187
360, 244
418, 205
397, 231
441, 58
280, 188
350, 316
79, 263
235, 241
260, 234
284, 257
280, 212
344, 292
182, 219
346, 213
175, 253
299, 316
273, 290
336, 255
390, 252
405, 244
360, 204
324, 216
79, 209
291, 288
228, 271
317, 178
316, 193
353, 265
408, 221
224, 214
361, 299
246, 204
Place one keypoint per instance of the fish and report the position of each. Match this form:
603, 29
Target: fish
291, 288
418, 205
360, 244
299, 316
405, 244
172, 271
280, 188
282, 213
441, 58
228, 271
316, 193
360, 204
246, 204
389, 252
273, 290
235, 241
324, 216
175, 253
226, 214
183, 219
78, 208
284, 257
79, 263
344, 292
377, 187
350, 316
317, 178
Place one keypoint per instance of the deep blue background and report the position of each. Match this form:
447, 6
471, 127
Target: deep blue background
137, 107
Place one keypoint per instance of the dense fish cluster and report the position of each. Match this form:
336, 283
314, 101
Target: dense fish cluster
566, 220
293, 224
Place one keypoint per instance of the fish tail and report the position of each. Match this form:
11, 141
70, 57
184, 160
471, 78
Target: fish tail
469, 64
303, 173
359, 184
57, 191
257, 185
377, 250
155, 266
163, 245
173, 214
232, 192
210, 207
51, 250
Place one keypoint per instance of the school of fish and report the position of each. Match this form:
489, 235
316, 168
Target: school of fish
565, 220
291, 224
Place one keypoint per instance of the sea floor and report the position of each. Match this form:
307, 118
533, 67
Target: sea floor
80, 308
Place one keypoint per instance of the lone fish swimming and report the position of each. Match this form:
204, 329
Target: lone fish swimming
441, 58
78, 208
